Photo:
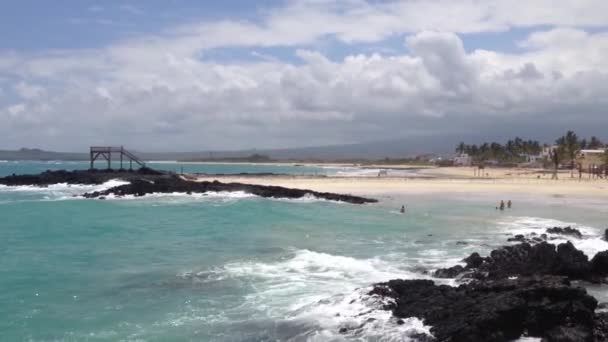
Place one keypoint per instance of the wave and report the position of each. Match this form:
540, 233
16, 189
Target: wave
65, 187
54, 192
591, 243
328, 290
64, 191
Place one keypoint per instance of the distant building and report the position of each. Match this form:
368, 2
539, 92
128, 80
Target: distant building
546, 152
587, 159
463, 159
429, 157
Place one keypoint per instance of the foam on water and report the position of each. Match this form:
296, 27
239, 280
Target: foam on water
591, 243
64, 191
181, 197
59, 191
329, 290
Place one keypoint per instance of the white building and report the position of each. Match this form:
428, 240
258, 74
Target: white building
463, 159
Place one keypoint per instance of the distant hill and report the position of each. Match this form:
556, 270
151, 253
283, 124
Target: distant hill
38, 154
375, 150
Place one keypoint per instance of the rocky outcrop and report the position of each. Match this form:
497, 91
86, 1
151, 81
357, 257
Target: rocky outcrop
568, 231
176, 184
527, 260
599, 264
497, 310
147, 181
79, 177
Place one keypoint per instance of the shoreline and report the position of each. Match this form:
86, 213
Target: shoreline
419, 185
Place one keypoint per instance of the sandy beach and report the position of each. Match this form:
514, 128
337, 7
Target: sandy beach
440, 180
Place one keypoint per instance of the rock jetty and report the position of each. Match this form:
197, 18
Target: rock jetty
147, 181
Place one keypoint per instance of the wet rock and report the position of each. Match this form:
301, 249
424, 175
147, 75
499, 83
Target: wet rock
474, 260
516, 238
606, 234
497, 310
600, 330
86, 177
176, 184
599, 264
571, 262
146, 181
462, 243
568, 231
451, 272
528, 260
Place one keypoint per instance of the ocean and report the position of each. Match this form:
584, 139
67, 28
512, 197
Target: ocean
235, 267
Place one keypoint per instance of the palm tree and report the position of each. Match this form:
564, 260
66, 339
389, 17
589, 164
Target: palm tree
511, 149
484, 149
461, 148
606, 163
571, 146
594, 143
556, 155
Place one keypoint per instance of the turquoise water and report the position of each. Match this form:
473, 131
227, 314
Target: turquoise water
16, 167
232, 267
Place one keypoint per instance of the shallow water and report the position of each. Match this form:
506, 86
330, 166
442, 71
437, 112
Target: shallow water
233, 267
33, 167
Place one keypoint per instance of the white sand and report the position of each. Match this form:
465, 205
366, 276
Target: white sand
451, 180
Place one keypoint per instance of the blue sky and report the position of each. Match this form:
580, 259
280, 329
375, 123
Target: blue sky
32, 25
297, 72
29, 26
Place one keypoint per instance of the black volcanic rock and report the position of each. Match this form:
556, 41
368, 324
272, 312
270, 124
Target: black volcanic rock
451, 272
527, 260
175, 184
146, 181
497, 310
474, 260
568, 231
84, 177
599, 264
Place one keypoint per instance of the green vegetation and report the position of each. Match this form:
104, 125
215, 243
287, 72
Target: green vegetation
514, 151
254, 158
564, 151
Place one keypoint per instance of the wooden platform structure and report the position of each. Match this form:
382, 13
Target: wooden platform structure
107, 151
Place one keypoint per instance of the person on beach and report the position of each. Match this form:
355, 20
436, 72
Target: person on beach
402, 209
502, 205
509, 204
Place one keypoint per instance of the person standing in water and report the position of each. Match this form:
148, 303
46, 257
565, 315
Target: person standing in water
502, 205
402, 209
509, 204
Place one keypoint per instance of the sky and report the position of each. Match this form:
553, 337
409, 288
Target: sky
193, 75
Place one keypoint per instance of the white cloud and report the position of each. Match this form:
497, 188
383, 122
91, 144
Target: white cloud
28, 91
157, 86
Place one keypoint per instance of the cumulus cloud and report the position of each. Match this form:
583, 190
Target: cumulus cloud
158, 90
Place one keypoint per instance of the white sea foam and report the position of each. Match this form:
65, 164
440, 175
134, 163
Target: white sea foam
56, 192
182, 197
64, 191
590, 244
329, 290
65, 187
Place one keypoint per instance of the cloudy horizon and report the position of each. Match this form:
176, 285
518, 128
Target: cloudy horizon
186, 76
